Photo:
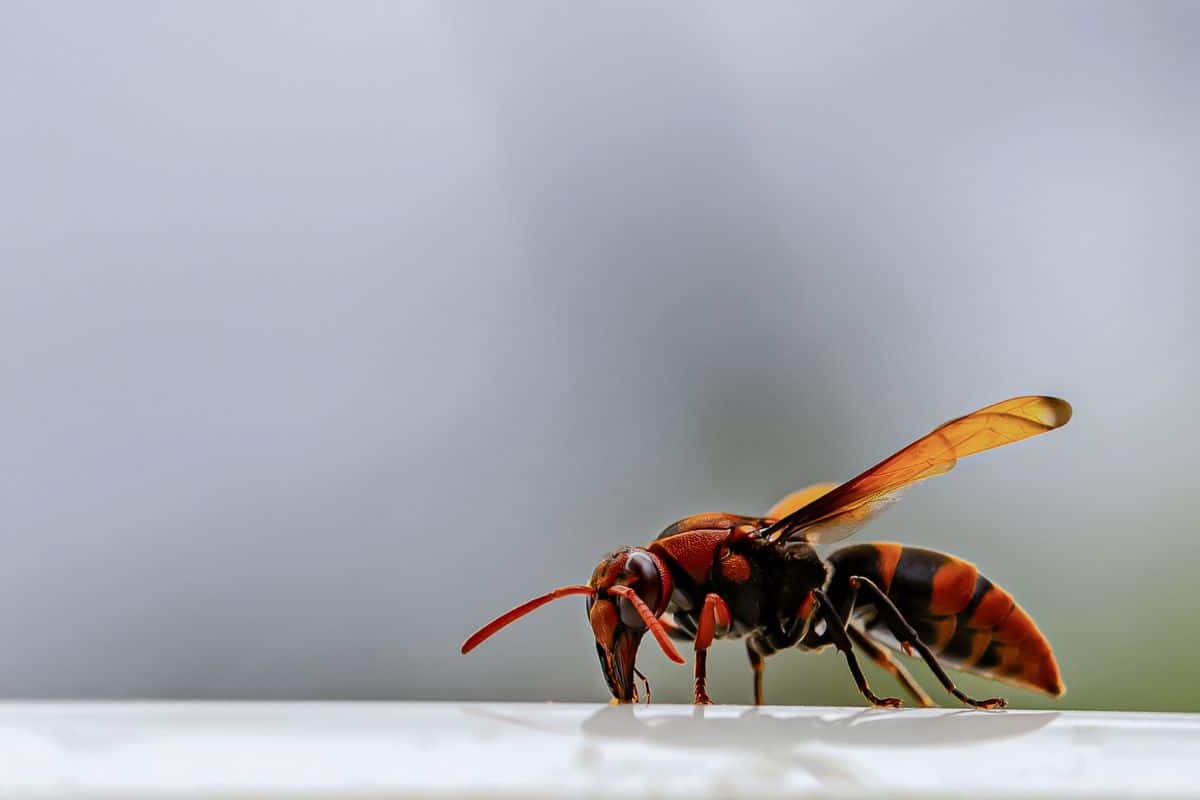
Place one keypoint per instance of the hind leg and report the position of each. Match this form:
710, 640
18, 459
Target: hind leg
880, 655
908, 639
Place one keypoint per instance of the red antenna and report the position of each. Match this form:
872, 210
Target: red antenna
508, 617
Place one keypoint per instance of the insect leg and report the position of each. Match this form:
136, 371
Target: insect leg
908, 639
883, 658
645, 682
715, 614
758, 664
836, 630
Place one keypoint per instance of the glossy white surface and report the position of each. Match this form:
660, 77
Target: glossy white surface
551, 750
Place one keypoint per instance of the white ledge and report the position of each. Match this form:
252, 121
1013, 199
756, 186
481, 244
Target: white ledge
144, 750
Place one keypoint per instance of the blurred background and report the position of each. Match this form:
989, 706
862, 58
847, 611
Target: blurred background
328, 331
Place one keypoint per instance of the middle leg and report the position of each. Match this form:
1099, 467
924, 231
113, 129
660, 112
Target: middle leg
758, 664
835, 629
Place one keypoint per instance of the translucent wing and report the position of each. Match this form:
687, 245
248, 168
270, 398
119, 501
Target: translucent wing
837, 513
799, 499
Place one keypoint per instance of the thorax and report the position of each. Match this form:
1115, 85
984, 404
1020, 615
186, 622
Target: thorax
762, 584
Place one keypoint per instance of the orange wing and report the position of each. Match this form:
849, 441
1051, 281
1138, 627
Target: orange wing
799, 499
840, 512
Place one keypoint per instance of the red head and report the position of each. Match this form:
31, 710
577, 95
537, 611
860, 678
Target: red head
629, 590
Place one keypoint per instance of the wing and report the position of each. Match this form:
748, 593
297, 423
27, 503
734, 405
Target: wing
799, 499
838, 513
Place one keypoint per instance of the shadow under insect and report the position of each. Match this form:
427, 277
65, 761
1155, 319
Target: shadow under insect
761, 732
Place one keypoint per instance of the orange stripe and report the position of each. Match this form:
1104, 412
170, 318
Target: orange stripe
1017, 628
1026, 658
992, 609
953, 585
889, 556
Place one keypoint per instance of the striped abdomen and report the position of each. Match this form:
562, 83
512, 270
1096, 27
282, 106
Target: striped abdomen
968, 621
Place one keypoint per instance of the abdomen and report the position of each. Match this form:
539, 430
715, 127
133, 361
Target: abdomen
966, 619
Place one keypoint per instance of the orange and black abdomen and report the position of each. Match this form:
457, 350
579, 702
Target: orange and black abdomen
968, 621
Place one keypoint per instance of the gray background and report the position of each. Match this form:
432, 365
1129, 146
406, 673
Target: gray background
329, 330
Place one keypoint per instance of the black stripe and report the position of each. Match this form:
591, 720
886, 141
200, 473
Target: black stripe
912, 585
928, 628
961, 644
982, 587
991, 657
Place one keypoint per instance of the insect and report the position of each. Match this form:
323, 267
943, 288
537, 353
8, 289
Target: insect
725, 576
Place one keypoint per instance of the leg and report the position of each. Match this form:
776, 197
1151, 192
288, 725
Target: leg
645, 682
836, 630
771, 640
883, 658
908, 639
758, 664
701, 695
715, 614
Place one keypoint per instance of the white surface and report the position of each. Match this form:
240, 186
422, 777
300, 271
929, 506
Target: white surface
542, 750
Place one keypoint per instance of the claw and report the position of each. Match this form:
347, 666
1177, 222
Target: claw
645, 683
991, 703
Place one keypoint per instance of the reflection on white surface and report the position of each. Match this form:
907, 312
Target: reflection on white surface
550, 750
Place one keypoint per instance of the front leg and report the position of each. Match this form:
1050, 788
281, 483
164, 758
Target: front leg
713, 616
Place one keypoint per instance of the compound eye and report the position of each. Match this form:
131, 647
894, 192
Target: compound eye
647, 582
